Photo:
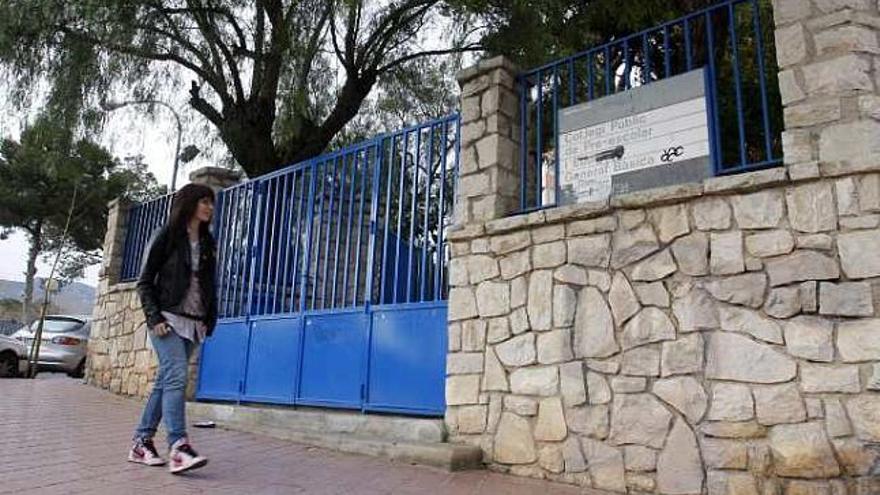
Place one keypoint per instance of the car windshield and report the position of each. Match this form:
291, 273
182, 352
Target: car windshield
57, 326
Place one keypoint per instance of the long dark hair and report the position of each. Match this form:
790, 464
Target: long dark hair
183, 207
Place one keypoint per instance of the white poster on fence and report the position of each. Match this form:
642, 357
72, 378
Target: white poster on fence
653, 135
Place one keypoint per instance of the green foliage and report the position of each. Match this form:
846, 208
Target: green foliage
263, 73
38, 176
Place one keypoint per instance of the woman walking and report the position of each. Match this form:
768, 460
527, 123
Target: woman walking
176, 288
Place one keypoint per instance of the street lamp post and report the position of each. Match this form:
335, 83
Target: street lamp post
110, 106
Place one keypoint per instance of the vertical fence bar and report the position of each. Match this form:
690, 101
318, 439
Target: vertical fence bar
607, 70
297, 264
555, 136
404, 157
374, 218
412, 217
384, 267
438, 273
667, 57
539, 148
710, 37
365, 167
288, 231
759, 52
627, 65
646, 56
590, 76
524, 147
428, 176
689, 60
272, 271
327, 241
280, 250
319, 176
304, 276
347, 267
342, 174
740, 119
571, 82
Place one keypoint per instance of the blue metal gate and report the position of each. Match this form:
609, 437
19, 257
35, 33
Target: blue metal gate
333, 278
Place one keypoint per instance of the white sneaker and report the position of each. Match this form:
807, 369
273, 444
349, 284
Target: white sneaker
144, 452
183, 457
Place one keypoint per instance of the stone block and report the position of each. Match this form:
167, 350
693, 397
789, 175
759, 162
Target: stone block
760, 210
554, 346
494, 376
770, 243
742, 320
846, 299
648, 326
813, 112
493, 299
737, 358
823, 378
629, 384
518, 351
811, 207
654, 268
864, 412
572, 383
685, 394
472, 419
724, 454
802, 451
594, 327
639, 458
523, 406
606, 465
838, 76
791, 45
653, 294
670, 221
859, 340
695, 311
639, 419
836, 421
540, 303
682, 356
549, 255
462, 363
473, 335
571, 275
711, 214
726, 253
462, 390
514, 443
642, 361
597, 388
550, 426
542, 381
858, 262
731, 402
629, 246
622, 299
777, 404
801, 266
783, 302
679, 465
590, 251
746, 290
852, 144
564, 306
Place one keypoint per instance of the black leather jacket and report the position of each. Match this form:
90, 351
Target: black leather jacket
165, 277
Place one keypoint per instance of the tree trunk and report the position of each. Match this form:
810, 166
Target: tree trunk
36, 246
247, 132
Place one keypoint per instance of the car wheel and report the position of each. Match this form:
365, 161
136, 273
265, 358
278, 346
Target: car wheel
79, 372
8, 365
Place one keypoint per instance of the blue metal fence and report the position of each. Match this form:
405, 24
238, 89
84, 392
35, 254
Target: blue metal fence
362, 225
143, 221
332, 277
733, 40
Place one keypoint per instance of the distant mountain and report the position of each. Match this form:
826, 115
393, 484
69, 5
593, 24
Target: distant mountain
74, 299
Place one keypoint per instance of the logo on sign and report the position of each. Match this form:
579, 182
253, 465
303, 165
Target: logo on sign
670, 154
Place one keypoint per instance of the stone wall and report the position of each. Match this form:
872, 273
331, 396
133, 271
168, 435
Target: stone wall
120, 355
714, 338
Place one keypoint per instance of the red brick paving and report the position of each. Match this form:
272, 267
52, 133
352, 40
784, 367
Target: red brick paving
62, 437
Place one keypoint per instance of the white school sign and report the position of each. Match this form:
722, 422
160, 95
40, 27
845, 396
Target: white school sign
649, 136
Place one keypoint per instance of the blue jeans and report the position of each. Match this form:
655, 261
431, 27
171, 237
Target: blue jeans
168, 398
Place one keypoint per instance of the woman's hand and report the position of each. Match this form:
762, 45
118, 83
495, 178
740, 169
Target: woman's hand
161, 329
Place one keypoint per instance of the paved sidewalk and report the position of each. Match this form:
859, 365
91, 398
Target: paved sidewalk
60, 436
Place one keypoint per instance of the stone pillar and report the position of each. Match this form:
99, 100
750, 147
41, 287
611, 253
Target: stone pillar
114, 243
829, 61
488, 184
215, 177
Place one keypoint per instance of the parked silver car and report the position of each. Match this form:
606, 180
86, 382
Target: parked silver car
64, 343
12, 357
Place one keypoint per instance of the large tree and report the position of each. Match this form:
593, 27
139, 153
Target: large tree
263, 72
38, 176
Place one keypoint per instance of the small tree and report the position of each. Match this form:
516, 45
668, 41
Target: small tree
37, 178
